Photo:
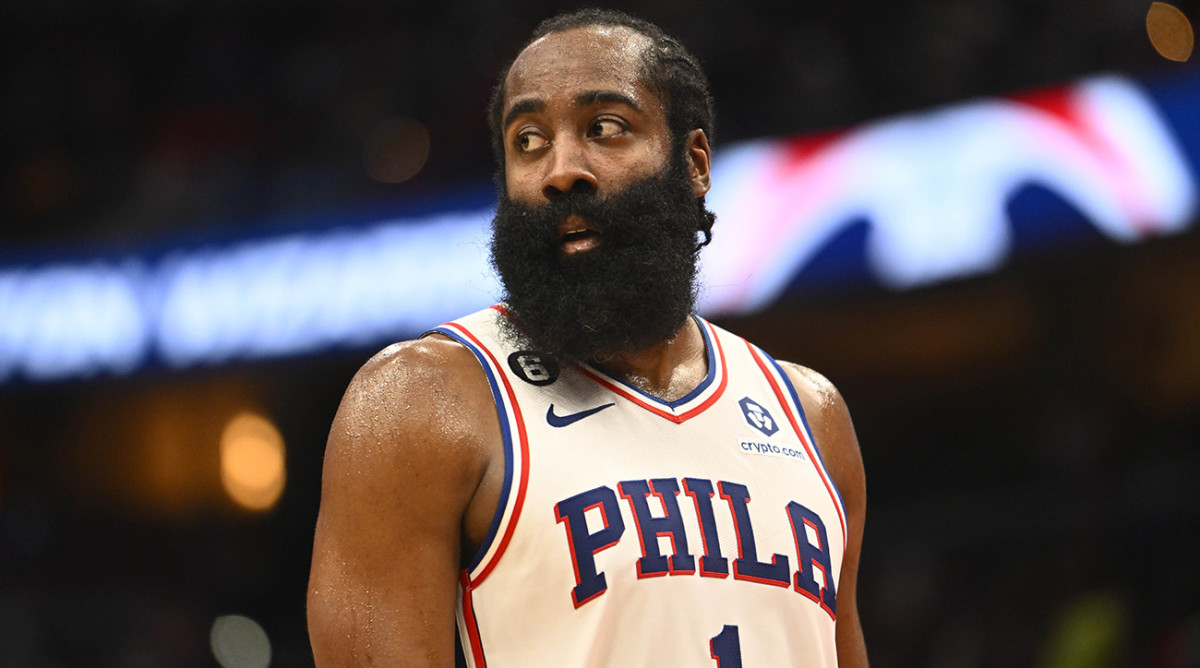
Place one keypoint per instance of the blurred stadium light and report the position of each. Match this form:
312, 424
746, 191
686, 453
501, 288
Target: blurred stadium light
1169, 31
903, 202
253, 469
239, 642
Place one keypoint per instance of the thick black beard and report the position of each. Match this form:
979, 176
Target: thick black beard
634, 290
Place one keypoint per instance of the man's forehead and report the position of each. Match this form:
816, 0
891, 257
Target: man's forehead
617, 41
586, 56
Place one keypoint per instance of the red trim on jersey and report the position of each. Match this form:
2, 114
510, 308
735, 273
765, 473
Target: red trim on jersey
816, 461
739, 575
644, 403
473, 640
523, 442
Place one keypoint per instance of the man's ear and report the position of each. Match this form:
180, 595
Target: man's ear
699, 161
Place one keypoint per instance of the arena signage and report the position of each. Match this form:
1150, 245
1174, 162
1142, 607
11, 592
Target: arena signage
934, 188
933, 193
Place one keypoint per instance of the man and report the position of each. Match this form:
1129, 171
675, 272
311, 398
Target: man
570, 474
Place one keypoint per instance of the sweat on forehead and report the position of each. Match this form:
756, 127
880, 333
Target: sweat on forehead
615, 52
613, 38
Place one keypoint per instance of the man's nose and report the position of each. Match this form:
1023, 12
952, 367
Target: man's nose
569, 170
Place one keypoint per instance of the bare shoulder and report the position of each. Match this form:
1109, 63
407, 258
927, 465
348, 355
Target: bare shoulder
411, 396
432, 381
415, 418
411, 442
833, 429
419, 363
414, 421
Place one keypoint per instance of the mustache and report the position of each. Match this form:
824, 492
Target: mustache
631, 216
589, 206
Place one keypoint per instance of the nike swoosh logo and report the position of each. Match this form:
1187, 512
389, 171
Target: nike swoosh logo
571, 418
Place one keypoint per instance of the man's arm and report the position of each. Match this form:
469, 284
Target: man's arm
407, 451
834, 434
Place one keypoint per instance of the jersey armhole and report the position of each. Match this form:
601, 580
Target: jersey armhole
790, 400
512, 433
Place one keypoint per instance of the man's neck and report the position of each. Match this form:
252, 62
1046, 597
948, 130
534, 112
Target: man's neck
669, 370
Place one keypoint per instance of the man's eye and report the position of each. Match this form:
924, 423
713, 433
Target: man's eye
530, 141
606, 127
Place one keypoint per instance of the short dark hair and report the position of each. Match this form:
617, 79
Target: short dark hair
668, 69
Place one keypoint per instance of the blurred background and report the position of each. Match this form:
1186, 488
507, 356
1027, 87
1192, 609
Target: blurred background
1027, 399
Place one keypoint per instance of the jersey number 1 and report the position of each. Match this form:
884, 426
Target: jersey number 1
725, 648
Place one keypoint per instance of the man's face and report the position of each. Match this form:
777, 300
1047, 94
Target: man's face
576, 116
595, 238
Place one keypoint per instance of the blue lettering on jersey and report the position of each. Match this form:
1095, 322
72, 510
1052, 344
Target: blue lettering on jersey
813, 556
651, 528
747, 566
726, 648
588, 583
808, 531
712, 564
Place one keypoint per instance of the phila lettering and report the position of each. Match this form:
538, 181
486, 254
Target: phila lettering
663, 517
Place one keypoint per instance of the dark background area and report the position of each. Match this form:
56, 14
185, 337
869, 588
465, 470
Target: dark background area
1030, 436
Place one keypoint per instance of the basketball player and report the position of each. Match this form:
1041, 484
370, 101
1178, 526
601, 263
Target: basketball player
587, 474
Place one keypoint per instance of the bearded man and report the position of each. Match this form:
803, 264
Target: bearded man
566, 478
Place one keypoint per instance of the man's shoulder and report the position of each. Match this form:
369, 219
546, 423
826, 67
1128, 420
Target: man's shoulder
432, 358
821, 400
813, 387
411, 390
832, 428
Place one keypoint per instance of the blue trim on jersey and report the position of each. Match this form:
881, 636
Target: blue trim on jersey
708, 379
804, 421
506, 436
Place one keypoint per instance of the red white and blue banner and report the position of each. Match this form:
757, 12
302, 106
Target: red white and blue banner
903, 202
936, 191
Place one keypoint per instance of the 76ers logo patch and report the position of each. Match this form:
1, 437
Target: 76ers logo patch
533, 367
758, 417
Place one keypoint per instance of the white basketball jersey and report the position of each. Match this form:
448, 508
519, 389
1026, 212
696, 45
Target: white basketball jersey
632, 531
